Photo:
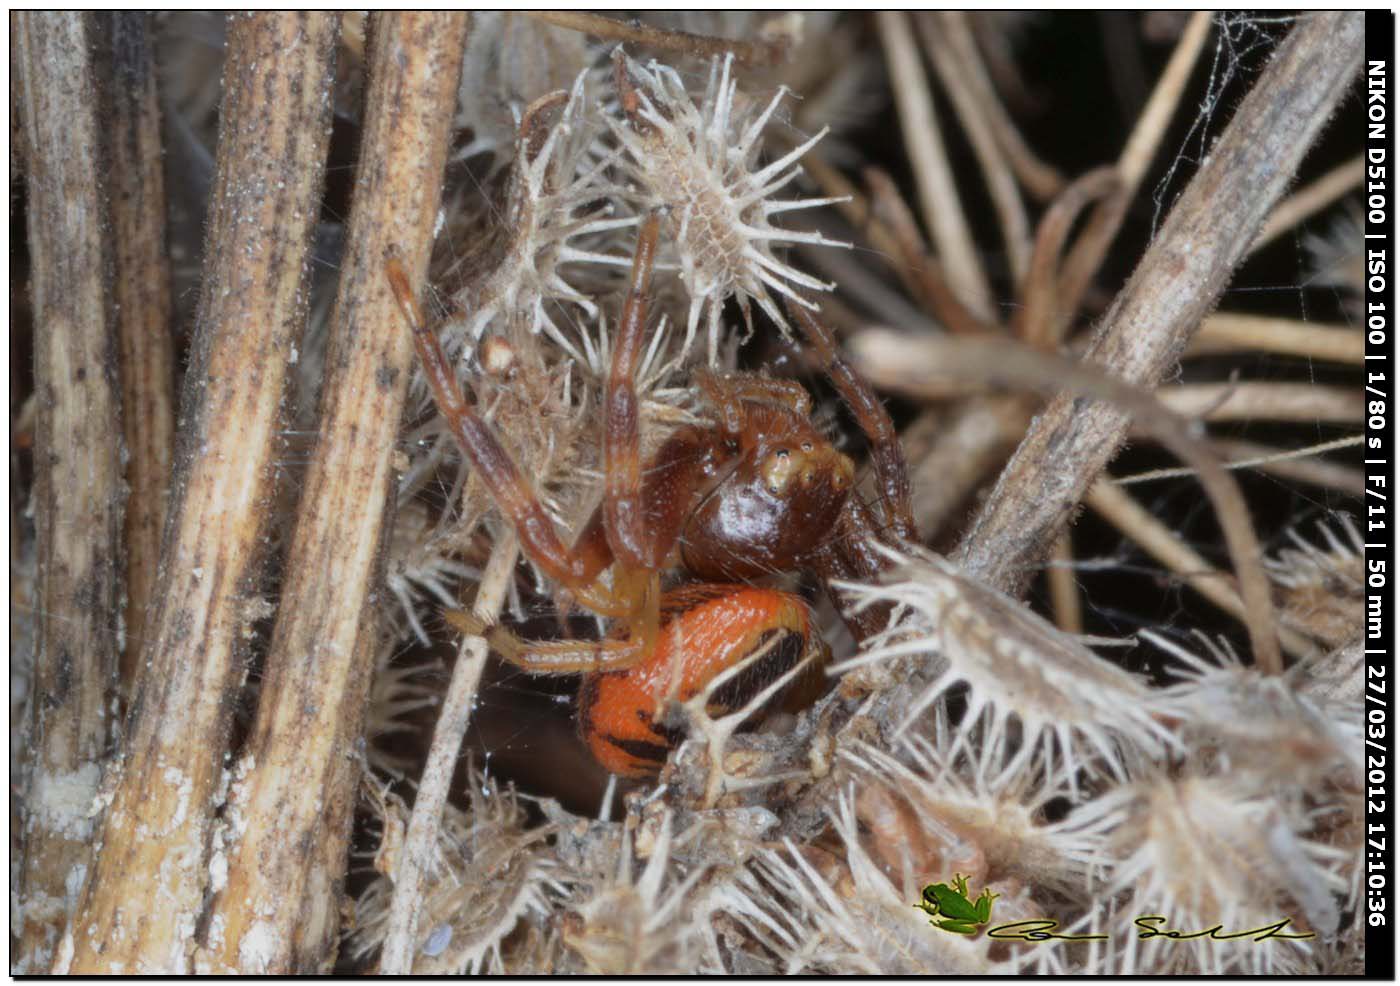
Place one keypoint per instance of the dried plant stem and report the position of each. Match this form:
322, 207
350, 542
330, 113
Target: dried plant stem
892, 214
1065, 603
1042, 180
908, 362
396, 959
972, 441
938, 194
763, 52
1041, 320
936, 30
1259, 400
1311, 199
1282, 462
77, 482
141, 286
1163, 544
1178, 281
1223, 332
147, 888
279, 912
1089, 251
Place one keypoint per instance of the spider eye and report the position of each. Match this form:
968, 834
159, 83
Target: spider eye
731, 445
782, 453
806, 446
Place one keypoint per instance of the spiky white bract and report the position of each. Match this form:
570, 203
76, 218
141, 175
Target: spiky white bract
1320, 587
701, 164
1075, 711
627, 925
559, 199
420, 568
1250, 721
1198, 851
487, 872
970, 827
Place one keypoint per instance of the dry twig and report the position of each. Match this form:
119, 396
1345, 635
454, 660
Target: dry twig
78, 482
1310, 199
1177, 282
959, 79
147, 886
1089, 251
1251, 400
401, 940
279, 911
907, 362
1226, 333
1163, 544
761, 52
938, 195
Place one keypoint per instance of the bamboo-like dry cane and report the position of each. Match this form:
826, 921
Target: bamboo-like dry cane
1178, 281
280, 910
78, 482
141, 287
148, 883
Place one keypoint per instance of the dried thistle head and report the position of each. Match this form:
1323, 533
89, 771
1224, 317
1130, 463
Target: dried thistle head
488, 870
1037, 698
1200, 850
554, 201
1320, 589
701, 163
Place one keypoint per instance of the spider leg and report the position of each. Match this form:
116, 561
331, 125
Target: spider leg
509, 489
874, 421
550, 656
850, 556
622, 443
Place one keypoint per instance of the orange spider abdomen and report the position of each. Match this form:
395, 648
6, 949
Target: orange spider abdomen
705, 628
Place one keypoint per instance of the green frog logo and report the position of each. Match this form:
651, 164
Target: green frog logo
951, 909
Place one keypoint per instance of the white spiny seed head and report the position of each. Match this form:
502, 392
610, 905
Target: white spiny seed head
420, 569
558, 200
1320, 588
1250, 721
701, 164
966, 826
487, 871
1199, 851
1075, 711
632, 926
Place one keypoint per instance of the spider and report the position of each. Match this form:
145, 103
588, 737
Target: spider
758, 492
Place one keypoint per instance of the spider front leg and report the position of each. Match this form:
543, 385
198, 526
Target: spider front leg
638, 553
493, 463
